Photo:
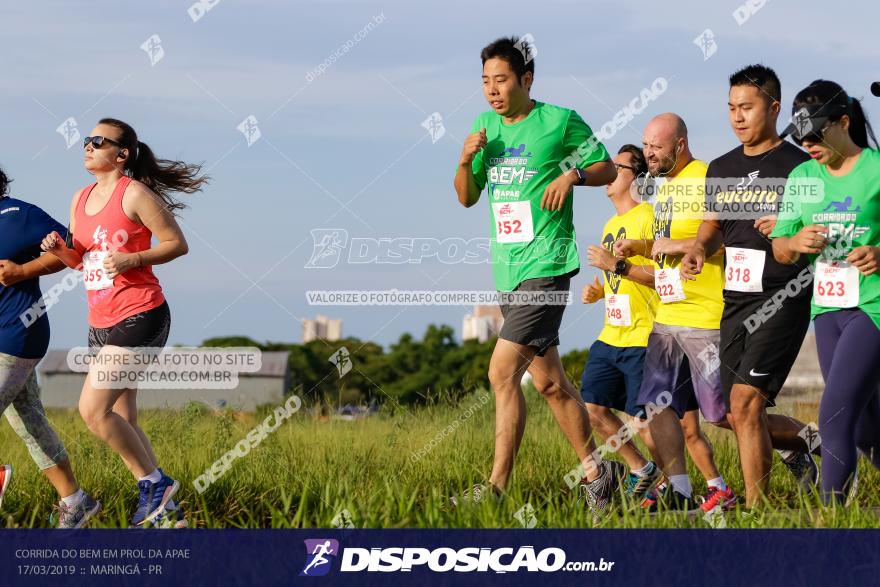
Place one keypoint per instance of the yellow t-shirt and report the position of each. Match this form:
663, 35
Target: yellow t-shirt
629, 306
678, 212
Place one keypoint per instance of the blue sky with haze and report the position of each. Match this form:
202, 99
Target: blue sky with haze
353, 135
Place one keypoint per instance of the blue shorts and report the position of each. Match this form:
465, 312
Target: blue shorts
612, 377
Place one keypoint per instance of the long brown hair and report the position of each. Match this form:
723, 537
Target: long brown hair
163, 176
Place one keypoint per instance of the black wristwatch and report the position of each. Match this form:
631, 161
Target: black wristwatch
620, 267
580, 175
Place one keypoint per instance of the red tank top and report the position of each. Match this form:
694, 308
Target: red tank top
110, 230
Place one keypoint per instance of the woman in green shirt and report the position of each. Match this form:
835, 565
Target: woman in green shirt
831, 212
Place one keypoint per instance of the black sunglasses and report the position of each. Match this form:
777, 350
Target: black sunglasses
622, 166
98, 141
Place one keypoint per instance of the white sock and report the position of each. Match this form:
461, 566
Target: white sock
74, 499
718, 483
153, 477
644, 470
682, 484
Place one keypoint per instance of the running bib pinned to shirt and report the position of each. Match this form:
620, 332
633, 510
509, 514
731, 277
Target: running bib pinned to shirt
836, 284
94, 275
617, 310
513, 222
745, 268
668, 284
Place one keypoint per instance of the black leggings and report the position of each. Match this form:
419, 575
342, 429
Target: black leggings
848, 342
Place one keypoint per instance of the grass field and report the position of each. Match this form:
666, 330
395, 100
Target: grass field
311, 469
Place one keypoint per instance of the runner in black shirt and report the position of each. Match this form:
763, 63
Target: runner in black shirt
766, 304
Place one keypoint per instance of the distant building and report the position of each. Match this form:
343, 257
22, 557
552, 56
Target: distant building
60, 386
483, 324
321, 328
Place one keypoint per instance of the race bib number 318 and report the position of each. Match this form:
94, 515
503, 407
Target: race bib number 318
744, 270
513, 222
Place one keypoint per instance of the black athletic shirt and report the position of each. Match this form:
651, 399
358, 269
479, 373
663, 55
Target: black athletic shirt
740, 189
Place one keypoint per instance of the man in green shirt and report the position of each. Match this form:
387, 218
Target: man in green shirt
529, 155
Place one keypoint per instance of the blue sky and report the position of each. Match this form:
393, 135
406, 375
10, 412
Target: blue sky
347, 149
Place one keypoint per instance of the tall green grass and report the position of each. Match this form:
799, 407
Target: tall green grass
312, 468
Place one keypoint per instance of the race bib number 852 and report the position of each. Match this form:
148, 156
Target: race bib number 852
513, 222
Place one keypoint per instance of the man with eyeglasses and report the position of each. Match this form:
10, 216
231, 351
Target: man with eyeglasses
613, 372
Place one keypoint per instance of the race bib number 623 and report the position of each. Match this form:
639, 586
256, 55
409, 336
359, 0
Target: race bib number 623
836, 284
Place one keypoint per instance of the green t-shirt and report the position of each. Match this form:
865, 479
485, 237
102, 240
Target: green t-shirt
849, 206
518, 163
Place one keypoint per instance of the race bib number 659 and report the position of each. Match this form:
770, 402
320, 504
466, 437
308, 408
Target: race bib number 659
513, 222
94, 276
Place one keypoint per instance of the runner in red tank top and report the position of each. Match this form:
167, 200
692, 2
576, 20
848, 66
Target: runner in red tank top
113, 222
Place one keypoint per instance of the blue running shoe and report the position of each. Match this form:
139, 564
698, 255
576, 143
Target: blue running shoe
638, 486
145, 497
161, 494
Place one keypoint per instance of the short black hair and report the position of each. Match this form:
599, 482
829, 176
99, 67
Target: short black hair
513, 50
761, 77
4, 184
638, 158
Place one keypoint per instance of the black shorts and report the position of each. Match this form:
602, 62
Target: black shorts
535, 325
146, 329
762, 358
